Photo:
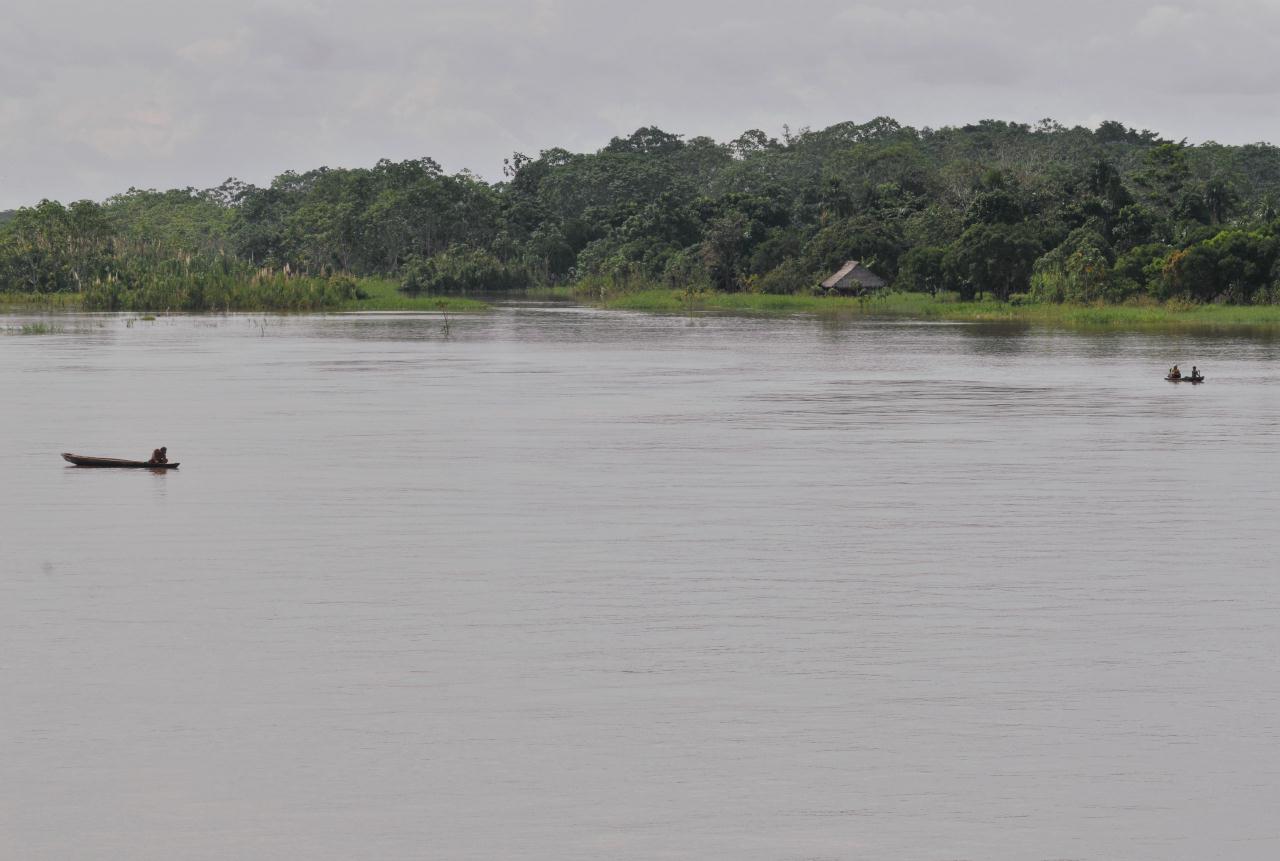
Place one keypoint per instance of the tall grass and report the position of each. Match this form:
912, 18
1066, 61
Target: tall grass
213, 284
41, 301
238, 291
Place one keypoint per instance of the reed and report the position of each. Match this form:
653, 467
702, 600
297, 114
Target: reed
38, 329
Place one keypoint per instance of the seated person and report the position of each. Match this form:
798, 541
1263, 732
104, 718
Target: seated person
1175, 373
1195, 372
160, 455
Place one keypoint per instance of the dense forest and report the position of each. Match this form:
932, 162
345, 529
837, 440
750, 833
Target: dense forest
1027, 213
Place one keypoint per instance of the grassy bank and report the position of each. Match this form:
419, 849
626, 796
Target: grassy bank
41, 301
923, 307
382, 294
298, 295
562, 291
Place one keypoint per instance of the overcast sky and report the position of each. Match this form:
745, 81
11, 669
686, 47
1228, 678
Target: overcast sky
97, 97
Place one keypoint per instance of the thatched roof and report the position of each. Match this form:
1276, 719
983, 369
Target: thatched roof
851, 273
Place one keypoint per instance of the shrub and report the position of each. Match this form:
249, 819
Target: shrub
459, 270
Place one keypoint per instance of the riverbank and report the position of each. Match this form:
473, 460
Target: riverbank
380, 294
383, 294
920, 306
376, 294
41, 302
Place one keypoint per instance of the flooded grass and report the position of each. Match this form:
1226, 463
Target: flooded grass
1172, 315
38, 328
383, 294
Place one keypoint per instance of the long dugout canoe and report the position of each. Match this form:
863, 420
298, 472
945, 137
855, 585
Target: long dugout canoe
113, 462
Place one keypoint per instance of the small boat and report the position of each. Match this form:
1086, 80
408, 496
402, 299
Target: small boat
113, 462
1199, 379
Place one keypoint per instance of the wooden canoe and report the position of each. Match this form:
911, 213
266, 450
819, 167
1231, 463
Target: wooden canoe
113, 462
1199, 379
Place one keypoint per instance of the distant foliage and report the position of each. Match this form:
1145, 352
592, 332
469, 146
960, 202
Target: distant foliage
1079, 270
460, 270
1042, 213
214, 284
790, 276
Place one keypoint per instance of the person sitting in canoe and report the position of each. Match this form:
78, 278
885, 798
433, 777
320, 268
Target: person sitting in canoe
1195, 373
1174, 373
160, 455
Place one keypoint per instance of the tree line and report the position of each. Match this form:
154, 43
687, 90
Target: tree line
1025, 212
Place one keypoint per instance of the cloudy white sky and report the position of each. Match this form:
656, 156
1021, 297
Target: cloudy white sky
96, 97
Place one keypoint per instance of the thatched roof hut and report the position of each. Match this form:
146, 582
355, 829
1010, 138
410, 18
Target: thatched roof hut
853, 277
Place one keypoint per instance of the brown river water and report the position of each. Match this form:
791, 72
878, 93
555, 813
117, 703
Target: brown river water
571, 584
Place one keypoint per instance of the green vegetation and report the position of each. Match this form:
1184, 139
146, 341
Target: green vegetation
384, 294
459, 270
1134, 315
559, 291
218, 285
1031, 215
251, 293
40, 301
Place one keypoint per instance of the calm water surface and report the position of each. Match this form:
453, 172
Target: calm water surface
582, 585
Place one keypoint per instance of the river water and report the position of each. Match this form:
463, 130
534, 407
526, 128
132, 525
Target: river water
571, 584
